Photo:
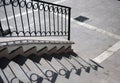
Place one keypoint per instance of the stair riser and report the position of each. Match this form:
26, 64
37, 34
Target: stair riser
38, 46
52, 51
40, 53
68, 49
11, 48
32, 51
26, 50
61, 50
4, 53
15, 53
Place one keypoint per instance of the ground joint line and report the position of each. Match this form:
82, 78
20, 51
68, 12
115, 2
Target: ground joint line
60, 1
93, 28
106, 54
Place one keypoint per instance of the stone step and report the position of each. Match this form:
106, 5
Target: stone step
22, 72
18, 72
3, 52
71, 66
72, 62
72, 74
45, 63
85, 63
61, 50
47, 72
4, 62
1, 80
15, 52
30, 51
8, 74
66, 63
26, 50
34, 68
59, 77
63, 70
31, 69
52, 50
36, 72
68, 49
34, 77
3, 76
42, 51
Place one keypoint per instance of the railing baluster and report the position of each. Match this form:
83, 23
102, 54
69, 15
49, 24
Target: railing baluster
61, 21
49, 19
54, 19
39, 18
21, 17
28, 18
34, 18
7, 17
58, 20
44, 18
65, 22
15, 19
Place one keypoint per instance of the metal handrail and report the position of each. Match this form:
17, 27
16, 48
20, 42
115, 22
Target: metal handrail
35, 18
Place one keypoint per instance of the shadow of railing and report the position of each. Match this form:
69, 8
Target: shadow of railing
52, 73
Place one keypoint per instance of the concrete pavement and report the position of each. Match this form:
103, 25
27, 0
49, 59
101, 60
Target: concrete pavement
104, 15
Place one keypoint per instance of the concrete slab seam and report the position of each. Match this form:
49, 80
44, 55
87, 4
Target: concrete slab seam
93, 28
106, 54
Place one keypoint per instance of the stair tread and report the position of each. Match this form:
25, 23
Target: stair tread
82, 61
19, 73
59, 78
2, 76
68, 65
56, 64
8, 73
75, 63
33, 67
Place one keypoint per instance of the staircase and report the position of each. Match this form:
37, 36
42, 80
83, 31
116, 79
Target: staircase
27, 55
11, 49
41, 61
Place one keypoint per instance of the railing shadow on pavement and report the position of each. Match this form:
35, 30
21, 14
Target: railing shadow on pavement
50, 74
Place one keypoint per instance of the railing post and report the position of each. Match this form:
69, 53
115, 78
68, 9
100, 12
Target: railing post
69, 22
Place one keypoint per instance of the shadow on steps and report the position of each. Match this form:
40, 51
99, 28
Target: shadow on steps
20, 60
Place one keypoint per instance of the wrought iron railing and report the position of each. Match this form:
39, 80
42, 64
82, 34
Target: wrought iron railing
34, 18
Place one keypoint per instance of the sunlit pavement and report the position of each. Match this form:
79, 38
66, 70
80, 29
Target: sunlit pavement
90, 43
104, 15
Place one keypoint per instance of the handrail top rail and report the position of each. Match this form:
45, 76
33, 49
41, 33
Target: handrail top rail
52, 3
43, 2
